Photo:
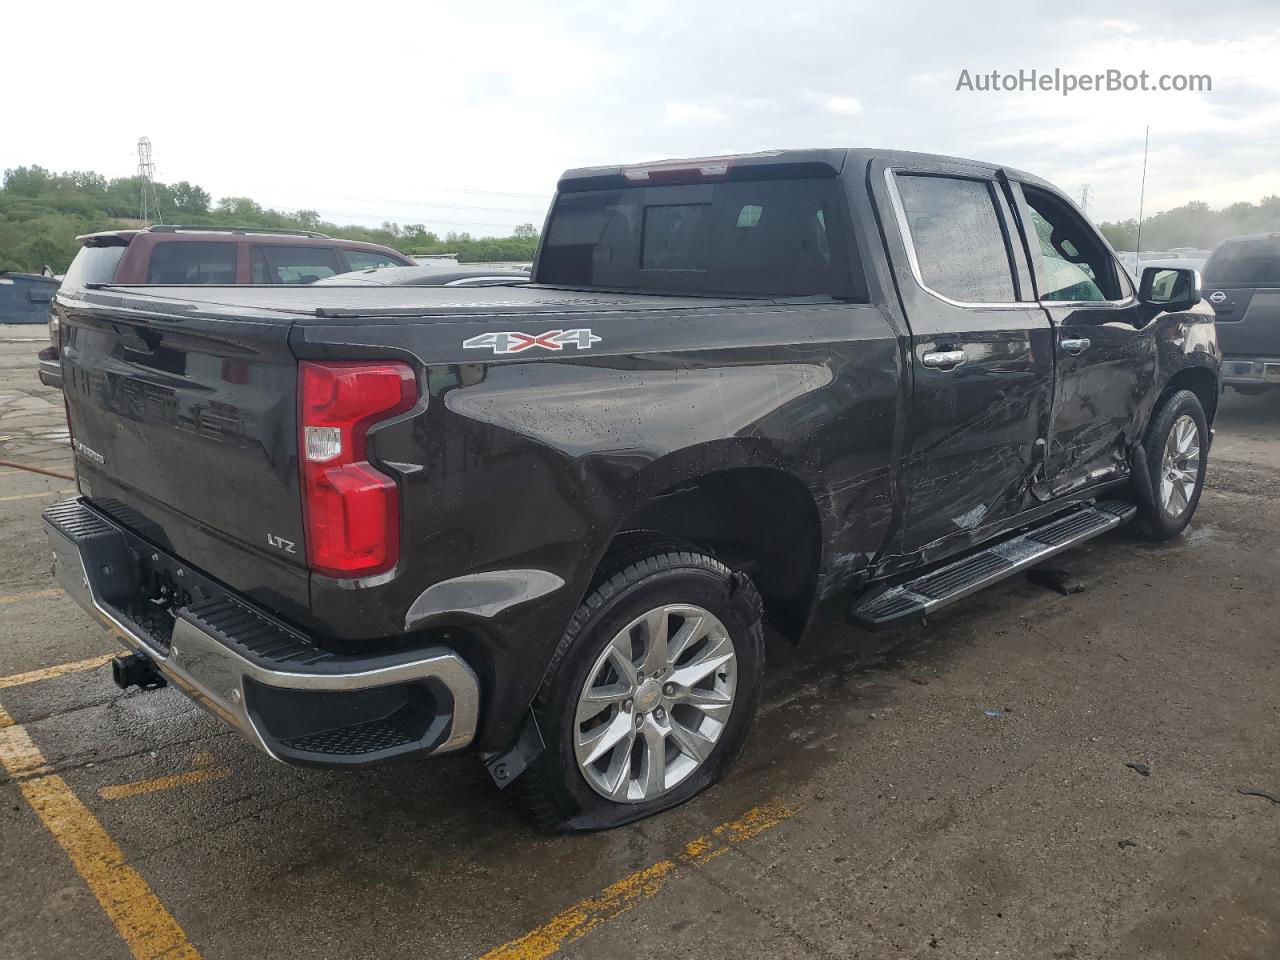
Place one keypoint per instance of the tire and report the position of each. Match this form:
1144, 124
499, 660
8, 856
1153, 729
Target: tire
564, 789
1176, 478
1251, 390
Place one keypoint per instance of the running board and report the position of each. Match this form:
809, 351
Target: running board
933, 590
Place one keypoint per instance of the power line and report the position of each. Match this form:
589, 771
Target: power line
325, 214
411, 203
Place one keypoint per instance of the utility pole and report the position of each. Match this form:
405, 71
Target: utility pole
150, 202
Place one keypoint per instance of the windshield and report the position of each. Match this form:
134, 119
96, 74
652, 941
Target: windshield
768, 238
1247, 263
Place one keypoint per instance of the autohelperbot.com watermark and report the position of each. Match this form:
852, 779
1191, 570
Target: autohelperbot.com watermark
1067, 82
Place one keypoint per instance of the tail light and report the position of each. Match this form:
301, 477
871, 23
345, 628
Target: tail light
350, 509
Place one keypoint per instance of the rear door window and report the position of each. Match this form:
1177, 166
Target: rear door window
184, 261
369, 259
1245, 263
277, 263
958, 238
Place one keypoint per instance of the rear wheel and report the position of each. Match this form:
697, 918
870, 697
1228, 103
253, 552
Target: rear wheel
650, 694
1175, 445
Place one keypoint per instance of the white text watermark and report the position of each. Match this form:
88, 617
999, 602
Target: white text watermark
1066, 82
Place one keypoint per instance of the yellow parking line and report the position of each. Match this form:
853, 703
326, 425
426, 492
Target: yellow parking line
584, 916
30, 595
32, 496
147, 928
57, 670
121, 791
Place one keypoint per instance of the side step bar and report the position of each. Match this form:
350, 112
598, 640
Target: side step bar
933, 590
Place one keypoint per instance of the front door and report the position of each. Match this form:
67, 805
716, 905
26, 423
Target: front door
1106, 363
981, 354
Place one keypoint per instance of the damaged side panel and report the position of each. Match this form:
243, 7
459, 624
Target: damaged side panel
794, 424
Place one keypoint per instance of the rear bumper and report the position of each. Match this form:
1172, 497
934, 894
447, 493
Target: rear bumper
50, 367
296, 702
1259, 371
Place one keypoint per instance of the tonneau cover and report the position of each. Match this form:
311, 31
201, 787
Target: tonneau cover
368, 301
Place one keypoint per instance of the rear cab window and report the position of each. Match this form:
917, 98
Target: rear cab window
1253, 262
280, 263
195, 262
766, 238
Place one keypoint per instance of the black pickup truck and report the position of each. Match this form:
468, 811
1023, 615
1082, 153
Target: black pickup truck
548, 523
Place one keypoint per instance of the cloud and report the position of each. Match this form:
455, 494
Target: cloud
693, 113
843, 105
514, 97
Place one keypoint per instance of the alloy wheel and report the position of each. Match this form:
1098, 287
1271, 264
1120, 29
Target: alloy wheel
1180, 466
655, 702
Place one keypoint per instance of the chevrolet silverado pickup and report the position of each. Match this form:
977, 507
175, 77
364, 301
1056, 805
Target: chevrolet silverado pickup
548, 523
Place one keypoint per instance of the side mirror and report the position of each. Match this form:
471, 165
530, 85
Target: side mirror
1170, 288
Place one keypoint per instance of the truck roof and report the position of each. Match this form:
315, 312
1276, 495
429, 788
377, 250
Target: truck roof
808, 161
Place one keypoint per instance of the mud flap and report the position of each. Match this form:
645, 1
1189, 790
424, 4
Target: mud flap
508, 764
1141, 472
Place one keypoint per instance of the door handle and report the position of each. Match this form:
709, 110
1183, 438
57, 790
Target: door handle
943, 359
1076, 346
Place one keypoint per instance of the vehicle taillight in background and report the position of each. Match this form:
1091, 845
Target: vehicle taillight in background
350, 509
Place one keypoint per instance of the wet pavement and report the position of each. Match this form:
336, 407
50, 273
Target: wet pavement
878, 811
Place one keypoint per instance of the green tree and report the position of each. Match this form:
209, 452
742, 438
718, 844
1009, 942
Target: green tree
41, 214
188, 198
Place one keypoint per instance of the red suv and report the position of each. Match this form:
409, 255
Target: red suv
177, 255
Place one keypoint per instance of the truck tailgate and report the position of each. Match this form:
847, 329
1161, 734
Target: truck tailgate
1248, 322
184, 428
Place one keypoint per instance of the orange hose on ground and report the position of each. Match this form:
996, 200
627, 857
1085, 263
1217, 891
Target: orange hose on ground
27, 466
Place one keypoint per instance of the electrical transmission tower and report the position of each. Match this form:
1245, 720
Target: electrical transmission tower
150, 202
1084, 198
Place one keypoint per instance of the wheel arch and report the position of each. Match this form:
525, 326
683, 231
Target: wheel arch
1201, 381
779, 545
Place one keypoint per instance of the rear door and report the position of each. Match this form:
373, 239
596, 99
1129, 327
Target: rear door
981, 350
1242, 281
1106, 363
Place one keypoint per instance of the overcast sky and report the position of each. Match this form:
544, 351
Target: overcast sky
461, 116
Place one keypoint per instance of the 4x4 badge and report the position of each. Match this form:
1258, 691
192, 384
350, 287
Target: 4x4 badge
511, 341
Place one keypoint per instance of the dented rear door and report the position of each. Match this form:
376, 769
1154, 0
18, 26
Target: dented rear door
981, 355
